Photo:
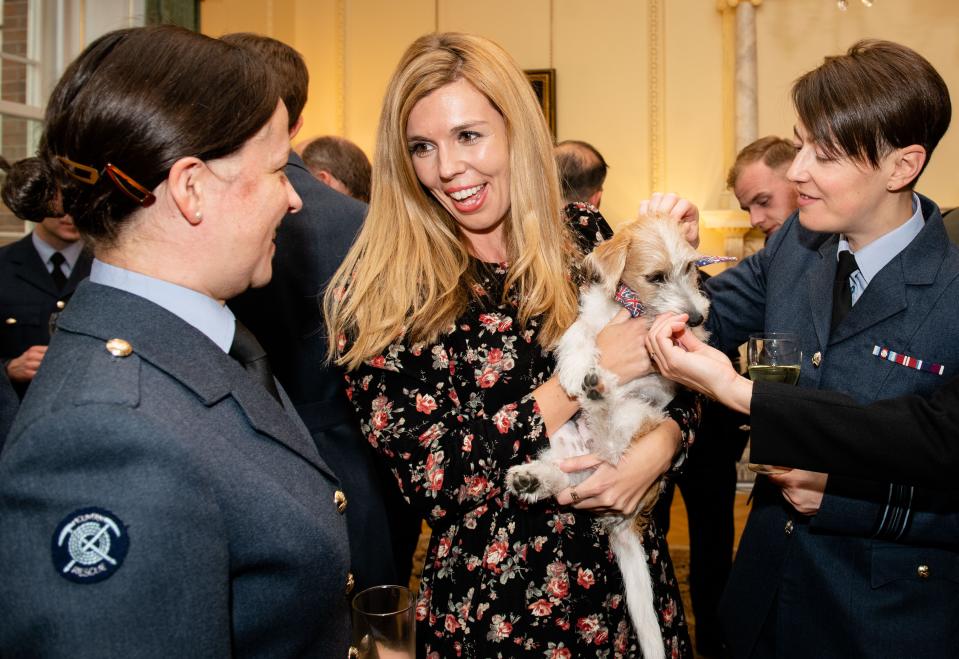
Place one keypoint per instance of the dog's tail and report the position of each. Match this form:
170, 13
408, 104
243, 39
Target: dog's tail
639, 589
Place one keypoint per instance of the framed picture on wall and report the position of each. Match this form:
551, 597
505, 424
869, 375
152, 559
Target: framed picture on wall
543, 82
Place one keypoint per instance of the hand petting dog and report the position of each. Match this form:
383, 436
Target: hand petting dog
679, 209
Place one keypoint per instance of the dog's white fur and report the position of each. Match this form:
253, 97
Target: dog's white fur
651, 256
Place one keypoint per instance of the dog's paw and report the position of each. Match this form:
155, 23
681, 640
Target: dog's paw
534, 481
593, 387
523, 483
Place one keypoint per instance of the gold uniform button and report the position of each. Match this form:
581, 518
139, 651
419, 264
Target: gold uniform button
923, 571
817, 359
339, 498
10, 321
61, 304
789, 527
350, 582
119, 348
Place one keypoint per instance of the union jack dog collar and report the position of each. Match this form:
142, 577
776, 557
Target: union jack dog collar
630, 299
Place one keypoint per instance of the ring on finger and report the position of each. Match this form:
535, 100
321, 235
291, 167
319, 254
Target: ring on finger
574, 496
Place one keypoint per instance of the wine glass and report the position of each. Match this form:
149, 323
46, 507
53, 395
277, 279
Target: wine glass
383, 624
773, 357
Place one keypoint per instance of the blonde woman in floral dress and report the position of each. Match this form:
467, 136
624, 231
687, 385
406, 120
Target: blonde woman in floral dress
444, 312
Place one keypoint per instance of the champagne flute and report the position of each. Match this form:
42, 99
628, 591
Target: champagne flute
773, 357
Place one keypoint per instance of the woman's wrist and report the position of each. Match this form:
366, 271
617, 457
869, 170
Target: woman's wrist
556, 407
737, 394
667, 439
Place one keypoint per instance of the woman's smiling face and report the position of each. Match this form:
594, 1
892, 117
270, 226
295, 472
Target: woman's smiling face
838, 194
460, 152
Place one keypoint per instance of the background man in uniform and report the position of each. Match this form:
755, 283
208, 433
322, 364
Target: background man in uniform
9, 403
758, 179
286, 318
38, 274
582, 172
340, 164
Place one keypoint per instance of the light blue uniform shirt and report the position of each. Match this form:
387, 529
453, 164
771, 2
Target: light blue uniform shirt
70, 253
215, 320
873, 257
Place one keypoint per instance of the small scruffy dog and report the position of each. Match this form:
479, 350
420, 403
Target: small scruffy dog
649, 268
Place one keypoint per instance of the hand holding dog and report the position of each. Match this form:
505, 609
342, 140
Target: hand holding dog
674, 206
622, 349
620, 488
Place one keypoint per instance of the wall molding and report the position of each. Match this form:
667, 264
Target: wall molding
552, 31
729, 85
657, 94
339, 48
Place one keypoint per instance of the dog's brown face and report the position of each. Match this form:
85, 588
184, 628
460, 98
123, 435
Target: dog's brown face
651, 256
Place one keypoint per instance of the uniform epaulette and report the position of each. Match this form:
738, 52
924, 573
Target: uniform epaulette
112, 376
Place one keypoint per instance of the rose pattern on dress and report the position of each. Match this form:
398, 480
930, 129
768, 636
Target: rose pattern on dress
502, 578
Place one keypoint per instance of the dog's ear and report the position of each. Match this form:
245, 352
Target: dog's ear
605, 264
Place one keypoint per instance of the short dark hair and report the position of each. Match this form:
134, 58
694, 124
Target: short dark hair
773, 151
287, 65
139, 99
342, 159
878, 96
582, 170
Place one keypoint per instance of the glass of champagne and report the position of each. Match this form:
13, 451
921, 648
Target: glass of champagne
773, 357
384, 624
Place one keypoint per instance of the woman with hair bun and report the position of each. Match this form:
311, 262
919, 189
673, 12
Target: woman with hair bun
444, 312
158, 495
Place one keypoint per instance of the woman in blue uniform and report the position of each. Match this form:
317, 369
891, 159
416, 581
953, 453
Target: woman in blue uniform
865, 274
159, 497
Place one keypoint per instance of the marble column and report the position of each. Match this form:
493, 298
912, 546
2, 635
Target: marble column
747, 116
741, 121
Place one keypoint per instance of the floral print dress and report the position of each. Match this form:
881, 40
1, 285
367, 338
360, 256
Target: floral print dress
502, 578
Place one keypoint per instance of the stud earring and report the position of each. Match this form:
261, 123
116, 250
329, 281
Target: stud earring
199, 215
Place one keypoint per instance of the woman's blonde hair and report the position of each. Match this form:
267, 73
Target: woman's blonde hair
408, 273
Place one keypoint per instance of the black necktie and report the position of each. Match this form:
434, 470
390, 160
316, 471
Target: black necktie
59, 279
841, 290
248, 351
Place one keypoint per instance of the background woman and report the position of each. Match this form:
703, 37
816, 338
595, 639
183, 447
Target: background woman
830, 566
158, 499
461, 279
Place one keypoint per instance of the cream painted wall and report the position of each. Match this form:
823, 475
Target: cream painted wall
522, 28
602, 53
313, 28
602, 92
598, 50
794, 36
694, 113
377, 31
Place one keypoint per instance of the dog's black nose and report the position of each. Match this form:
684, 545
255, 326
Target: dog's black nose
695, 319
